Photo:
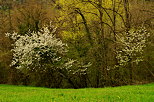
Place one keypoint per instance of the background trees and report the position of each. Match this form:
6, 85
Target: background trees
93, 30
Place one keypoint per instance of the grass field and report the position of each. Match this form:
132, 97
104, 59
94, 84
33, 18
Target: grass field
137, 93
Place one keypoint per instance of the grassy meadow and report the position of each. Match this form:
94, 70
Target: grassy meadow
134, 93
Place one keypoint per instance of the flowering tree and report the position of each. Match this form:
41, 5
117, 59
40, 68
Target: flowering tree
41, 52
132, 46
131, 49
37, 50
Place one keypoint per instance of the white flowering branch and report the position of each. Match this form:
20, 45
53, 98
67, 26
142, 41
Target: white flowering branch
132, 46
36, 49
41, 50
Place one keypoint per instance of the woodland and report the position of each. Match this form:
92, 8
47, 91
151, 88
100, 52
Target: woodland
76, 43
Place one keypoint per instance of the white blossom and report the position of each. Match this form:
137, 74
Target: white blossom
132, 46
36, 49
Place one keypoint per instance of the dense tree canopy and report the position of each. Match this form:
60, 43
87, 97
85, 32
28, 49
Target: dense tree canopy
109, 42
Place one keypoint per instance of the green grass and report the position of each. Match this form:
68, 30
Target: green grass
136, 93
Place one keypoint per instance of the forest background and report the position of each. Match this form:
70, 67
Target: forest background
111, 42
